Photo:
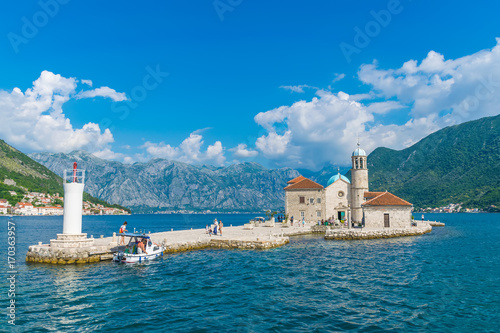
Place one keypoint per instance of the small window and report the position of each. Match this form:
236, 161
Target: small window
302, 213
318, 213
318, 200
302, 199
311, 200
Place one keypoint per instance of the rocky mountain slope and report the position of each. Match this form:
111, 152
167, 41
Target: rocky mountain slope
20, 174
169, 185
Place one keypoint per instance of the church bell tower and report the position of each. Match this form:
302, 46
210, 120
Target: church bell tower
359, 184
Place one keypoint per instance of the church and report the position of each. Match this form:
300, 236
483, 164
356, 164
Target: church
346, 200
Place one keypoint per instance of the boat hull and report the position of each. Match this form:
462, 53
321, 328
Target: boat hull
135, 258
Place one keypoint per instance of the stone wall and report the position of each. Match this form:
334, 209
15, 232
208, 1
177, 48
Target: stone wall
399, 216
352, 234
293, 207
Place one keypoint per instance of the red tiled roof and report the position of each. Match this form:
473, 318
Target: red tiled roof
304, 184
296, 180
372, 194
387, 199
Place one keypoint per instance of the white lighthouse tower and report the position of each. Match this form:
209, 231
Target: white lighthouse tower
72, 236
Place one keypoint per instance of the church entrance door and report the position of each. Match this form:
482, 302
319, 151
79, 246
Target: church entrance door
340, 215
386, 221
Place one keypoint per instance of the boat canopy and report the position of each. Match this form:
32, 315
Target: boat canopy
131, 234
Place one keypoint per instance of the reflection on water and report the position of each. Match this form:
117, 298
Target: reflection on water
440, 282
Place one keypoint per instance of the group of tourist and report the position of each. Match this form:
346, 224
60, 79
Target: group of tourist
330, 221
303, 222
215, 228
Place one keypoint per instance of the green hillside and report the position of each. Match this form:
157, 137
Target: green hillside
29, 175
458, 164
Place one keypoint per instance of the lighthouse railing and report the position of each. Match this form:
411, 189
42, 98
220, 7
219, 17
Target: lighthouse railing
74, 176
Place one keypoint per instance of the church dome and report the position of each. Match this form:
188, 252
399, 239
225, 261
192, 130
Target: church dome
333, 179
359, 152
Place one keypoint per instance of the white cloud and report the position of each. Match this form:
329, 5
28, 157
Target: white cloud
103, 92
403, 106
188, 151
297, 89
34, 120
108, 154
87, 82
241, 151
338, 77
274, 145
466, 88
161, 150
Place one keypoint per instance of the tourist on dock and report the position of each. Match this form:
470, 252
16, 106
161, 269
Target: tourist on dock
220, 227
123, 229
291, 220
303, 221
210, 231
215, 229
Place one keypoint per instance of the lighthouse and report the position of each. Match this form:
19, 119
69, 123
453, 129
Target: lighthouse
74, 182
72, 236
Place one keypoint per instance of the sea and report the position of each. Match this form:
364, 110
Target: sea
444, 281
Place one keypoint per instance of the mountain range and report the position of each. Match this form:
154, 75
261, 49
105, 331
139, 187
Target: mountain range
458, 164
160, 185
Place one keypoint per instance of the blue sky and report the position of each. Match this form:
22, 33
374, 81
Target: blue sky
247, 80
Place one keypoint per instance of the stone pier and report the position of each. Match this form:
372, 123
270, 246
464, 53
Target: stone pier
240, 237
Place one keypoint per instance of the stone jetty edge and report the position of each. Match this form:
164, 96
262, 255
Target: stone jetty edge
352, 234
280, 237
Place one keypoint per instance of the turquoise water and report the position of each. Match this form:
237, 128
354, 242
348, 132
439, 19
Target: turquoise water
445, 281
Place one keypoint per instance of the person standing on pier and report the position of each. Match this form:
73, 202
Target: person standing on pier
220, 227
123, 229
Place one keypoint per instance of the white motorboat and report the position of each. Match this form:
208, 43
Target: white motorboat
135, 252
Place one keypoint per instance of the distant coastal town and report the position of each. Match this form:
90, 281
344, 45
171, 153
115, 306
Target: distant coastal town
36, 204
451, 208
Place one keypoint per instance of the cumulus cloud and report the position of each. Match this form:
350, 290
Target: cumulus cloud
189, 151
403, 106
464, 89
35, 120
242, 151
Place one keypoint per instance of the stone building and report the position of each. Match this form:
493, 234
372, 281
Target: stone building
304, 199
347, 200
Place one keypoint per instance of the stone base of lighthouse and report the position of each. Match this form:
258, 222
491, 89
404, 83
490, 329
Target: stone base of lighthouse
73, 248
71, 241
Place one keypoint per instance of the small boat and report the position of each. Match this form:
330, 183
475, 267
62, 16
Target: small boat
133, 252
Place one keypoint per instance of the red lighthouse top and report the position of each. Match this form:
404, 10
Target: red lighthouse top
75, 180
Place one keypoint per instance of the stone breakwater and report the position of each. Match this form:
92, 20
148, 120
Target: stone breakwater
352, 234
259, 238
